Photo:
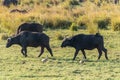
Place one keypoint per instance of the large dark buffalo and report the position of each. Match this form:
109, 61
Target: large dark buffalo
33, 27
30, 39
88, 42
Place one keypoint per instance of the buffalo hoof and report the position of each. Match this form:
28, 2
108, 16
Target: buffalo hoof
25, 55
39, 55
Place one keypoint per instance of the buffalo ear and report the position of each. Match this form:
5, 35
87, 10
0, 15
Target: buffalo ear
65, 37
13, 35
9, 39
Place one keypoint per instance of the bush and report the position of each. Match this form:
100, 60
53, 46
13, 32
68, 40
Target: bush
57, 23
116, 26
73, 27
82, 22
62, 24
74, 2
92, 28
4, 36
59, 36
103, 23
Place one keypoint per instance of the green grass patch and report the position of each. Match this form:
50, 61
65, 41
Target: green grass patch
14, 66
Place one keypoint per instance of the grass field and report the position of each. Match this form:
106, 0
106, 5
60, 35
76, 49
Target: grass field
60, 16
13, 66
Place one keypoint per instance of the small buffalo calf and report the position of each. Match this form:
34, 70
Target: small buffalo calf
86, 42
30, 39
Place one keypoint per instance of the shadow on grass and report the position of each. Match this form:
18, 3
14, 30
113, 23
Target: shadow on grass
97, 60
110, 60
52, 76
80, 71
117, 60
77, 71
60, 59
33, 76
69, 60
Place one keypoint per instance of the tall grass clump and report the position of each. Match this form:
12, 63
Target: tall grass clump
8, 26
103, 23
55, 21
9, 23
74, 2
86, 22
59, 36
92, 28
116, 24
56, 14
73, 28
82, 22
4, 36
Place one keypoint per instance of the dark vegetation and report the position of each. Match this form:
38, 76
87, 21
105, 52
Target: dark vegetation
19, 11
7, 3
55, 14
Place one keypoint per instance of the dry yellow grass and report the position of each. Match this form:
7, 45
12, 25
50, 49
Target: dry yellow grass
58, 14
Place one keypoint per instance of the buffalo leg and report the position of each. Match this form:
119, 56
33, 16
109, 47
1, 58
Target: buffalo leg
42, 50
76, 53
24, 52
105, 51
83, 52
100, 53
50, 51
